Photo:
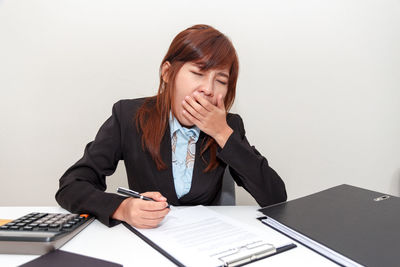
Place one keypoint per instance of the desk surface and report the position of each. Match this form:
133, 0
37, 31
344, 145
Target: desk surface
118, 244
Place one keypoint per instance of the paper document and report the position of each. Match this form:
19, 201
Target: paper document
198, 236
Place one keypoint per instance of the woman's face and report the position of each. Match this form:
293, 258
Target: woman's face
190, 79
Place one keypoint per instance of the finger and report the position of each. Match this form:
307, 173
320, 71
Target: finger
195, 105
155, 195
151, 224
144, 225
152, 218
146, 205
204, 102
190, 118
191, 110
154, 215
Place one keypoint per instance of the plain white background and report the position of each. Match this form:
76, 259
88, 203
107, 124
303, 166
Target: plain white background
319, 85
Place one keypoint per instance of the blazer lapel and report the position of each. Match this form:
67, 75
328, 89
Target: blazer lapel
166, 179
197, 177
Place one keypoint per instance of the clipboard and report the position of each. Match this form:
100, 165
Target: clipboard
153, 245
232, 256
248, 254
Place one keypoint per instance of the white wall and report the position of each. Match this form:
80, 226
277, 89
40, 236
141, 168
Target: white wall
319, 84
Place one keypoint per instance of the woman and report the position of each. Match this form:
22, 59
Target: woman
175, 145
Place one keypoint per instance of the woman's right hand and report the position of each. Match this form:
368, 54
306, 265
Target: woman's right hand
143, 213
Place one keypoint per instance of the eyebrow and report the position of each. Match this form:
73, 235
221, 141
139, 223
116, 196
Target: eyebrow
201, 65
223, 74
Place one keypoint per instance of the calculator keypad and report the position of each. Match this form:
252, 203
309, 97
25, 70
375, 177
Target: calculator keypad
54, 222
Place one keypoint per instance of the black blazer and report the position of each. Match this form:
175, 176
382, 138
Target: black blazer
82, 186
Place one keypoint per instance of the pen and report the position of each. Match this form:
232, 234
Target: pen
285, 248
131, 193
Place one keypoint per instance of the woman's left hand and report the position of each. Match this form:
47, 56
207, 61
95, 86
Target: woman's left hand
210, 118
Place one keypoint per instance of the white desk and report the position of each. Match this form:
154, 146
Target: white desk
118, 244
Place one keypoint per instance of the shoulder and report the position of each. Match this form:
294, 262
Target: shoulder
125, 110
129, 105
233, 118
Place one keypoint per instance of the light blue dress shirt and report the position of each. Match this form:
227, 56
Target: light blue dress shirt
183, 142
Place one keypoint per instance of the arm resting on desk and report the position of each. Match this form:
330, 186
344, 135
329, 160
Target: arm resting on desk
249, 168
82, 186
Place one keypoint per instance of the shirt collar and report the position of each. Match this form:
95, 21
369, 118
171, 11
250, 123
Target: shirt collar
174, 126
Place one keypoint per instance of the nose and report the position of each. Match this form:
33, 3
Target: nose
207, 87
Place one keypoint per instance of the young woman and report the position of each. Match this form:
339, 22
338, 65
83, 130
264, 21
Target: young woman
175, 145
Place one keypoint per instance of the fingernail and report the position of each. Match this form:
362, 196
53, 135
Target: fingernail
163, 198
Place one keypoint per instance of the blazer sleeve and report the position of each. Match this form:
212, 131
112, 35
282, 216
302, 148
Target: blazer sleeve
249, 168
82, 186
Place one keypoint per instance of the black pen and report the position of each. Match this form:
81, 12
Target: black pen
285, 248
131, 193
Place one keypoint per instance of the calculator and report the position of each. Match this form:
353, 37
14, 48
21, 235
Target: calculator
38, 233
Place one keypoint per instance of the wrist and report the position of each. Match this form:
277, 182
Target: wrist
120, 211
223, 136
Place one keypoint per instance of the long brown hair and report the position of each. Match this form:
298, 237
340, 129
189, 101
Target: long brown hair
200, 44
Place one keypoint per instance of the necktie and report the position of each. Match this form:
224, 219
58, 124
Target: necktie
190, 152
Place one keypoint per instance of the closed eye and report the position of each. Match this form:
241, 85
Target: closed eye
196, 73
221, 82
